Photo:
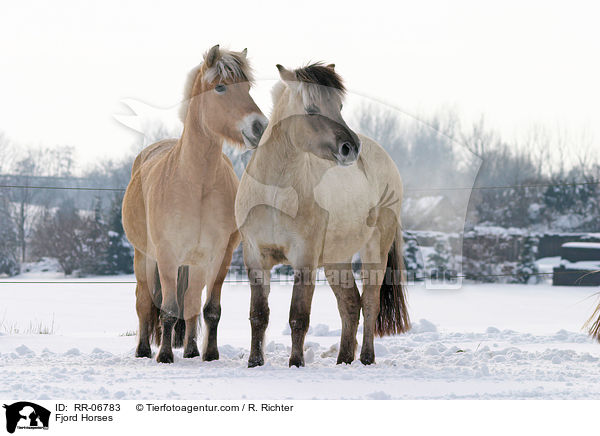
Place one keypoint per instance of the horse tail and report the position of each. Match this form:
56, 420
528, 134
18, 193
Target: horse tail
154, 327
594, 328
183, 274
393, 310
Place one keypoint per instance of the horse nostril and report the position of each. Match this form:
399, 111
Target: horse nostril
345, 149
257, 128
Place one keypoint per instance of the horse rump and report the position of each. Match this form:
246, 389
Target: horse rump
393, 316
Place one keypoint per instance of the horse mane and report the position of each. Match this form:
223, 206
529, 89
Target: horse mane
315, 81
319, 74
319, 82
231, 66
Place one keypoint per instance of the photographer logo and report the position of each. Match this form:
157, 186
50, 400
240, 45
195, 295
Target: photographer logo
26, 416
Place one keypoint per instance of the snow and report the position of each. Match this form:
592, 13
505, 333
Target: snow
547, 264
498, 231
582, 265
586, 245
493, 341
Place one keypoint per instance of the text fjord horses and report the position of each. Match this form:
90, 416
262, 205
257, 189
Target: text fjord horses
311, 197
178, 210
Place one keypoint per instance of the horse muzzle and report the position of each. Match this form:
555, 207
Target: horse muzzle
252, 129
347, 153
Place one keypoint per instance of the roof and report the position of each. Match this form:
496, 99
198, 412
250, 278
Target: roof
586, 245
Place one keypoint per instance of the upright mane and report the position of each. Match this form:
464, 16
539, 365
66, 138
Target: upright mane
315, 82
319, 74
229, 67
318, 81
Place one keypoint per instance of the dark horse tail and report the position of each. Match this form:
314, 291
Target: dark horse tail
393, 311
179, 328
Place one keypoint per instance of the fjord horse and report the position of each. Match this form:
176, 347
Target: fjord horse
178, 210
314, 194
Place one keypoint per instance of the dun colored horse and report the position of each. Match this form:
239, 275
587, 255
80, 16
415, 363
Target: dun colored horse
314, 194
178, 210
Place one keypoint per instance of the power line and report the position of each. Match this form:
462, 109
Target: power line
451, 188
66, 282
291, 279
479, 188
69, 188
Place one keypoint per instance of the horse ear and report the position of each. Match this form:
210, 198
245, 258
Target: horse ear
331, 66
285, 74
211, 57
245, 52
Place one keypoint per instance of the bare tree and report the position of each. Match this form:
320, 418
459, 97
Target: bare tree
23, 197
586, 152
7, 153
380, 124
480, 139
34, 162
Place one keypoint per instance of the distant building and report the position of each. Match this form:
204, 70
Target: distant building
579, 265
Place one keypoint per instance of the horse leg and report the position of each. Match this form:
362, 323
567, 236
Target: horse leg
212, 308
191, 310
169, 308
259, 314
374, 258
143, 305
370, 307
143, 302
212, 315
342, 283
304, 288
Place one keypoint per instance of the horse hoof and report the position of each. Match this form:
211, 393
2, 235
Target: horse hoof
256, 361
210, 355
367, 360
296, 361
143, 352
164, 357
345, 359
191, 352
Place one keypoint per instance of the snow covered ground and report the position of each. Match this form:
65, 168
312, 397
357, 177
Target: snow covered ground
478, 342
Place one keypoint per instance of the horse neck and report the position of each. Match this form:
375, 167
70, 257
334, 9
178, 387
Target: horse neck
199, 151
278, 162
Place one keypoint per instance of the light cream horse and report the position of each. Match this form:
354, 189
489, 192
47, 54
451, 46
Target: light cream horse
178, 210
314, 194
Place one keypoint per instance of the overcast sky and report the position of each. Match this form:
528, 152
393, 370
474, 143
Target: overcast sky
66, 65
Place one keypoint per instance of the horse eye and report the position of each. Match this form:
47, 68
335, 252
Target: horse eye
312, 110
341, 106
220, 89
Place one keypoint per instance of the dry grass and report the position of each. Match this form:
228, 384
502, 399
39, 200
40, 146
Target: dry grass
34, 328
129, 333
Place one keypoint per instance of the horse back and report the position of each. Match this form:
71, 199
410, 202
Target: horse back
154, 150
379, 167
